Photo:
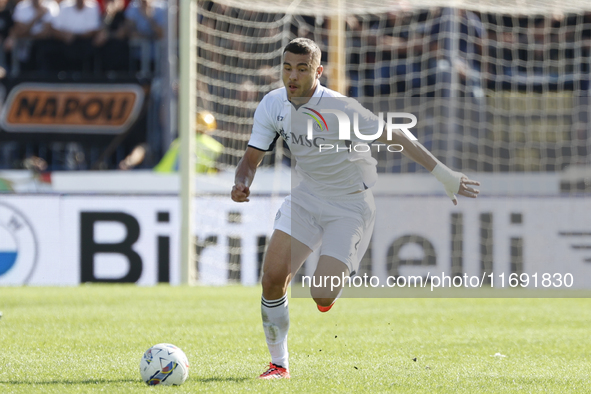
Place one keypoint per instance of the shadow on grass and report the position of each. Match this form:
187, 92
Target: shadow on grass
56, 382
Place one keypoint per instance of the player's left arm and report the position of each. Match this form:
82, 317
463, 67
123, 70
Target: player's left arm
454, 182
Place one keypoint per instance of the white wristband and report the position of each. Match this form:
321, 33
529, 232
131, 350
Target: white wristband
450, 179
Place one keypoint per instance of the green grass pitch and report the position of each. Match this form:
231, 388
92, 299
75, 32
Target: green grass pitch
91, 338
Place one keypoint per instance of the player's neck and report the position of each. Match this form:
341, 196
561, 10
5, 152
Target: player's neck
297, 102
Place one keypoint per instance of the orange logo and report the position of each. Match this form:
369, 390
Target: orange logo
78, 108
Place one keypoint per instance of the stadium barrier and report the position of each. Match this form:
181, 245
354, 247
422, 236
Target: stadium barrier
72, 239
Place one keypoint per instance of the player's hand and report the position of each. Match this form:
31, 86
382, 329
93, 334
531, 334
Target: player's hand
466, 189
240, 192
455, 183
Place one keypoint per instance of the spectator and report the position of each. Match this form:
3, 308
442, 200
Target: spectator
468, 64
113, 21
146, 19
75, 27
32, 20
207, 150
5, 27
111, 41
104, 5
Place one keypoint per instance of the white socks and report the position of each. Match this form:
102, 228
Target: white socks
275, 315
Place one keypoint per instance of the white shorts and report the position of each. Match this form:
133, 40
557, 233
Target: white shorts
341, 226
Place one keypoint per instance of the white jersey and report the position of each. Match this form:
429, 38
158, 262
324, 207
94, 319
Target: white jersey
326, 172
77, 21
24, 13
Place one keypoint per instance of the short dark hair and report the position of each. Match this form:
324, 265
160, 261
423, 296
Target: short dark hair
304, 46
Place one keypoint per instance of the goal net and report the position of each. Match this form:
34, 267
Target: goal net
513, 75
501, 87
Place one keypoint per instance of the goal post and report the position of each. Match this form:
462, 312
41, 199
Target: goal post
187, 111
337, 50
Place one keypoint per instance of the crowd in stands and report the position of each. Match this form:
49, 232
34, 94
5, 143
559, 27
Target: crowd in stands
402, 52
45, 36
408, 52
70, 40
399, 52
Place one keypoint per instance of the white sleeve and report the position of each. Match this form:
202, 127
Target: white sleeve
263, 134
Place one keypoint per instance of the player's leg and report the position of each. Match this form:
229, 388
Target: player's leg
285, 255
330, 272
348, 227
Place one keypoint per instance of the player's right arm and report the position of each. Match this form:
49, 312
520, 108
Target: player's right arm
262, 140
245, 172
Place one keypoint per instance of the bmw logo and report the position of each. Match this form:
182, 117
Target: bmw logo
18, 247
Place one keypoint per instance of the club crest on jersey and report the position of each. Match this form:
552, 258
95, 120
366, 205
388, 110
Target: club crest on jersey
318, 126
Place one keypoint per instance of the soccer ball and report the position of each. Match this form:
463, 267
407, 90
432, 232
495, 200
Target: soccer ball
164, 364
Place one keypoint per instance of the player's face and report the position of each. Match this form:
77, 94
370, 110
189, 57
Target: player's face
300, 75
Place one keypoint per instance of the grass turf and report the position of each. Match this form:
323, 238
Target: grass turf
91, 338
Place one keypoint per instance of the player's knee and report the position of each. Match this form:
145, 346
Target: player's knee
273, 282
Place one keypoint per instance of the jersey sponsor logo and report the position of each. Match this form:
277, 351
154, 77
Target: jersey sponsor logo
303, 141
18, 247
80, 108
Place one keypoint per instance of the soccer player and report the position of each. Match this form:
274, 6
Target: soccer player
332, 208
